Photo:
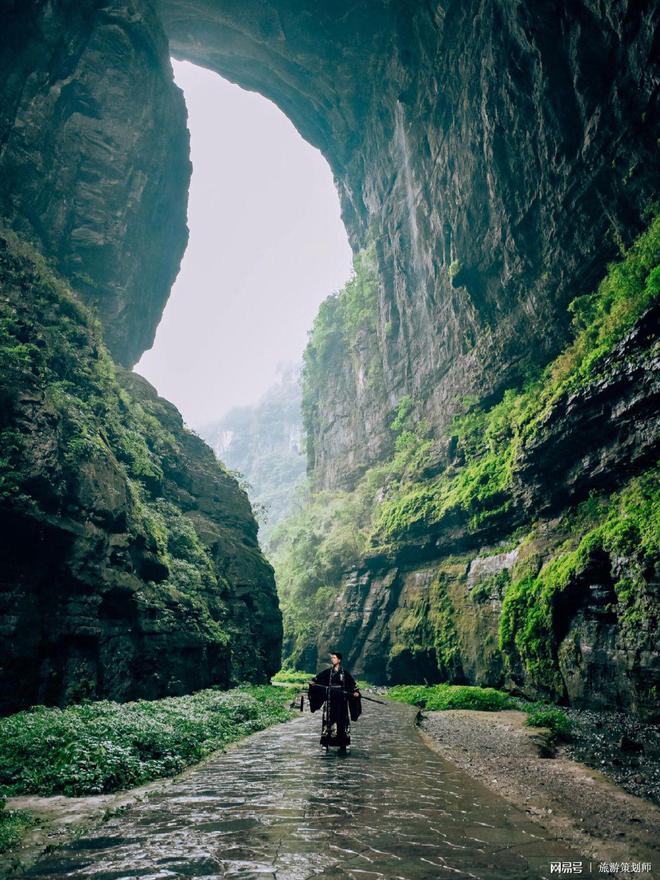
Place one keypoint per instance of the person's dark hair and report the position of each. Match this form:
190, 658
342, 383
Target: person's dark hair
337, 654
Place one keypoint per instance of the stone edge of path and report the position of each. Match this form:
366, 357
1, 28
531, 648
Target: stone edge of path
579, 805
61, 819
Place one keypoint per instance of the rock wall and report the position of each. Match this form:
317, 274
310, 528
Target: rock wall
493, 154
129, 563
429, 608
94, 155
496, 152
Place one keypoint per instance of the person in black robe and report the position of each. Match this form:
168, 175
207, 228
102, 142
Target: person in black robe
335, 690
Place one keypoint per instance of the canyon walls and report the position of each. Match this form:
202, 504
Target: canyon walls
94, 155
492, 157
496, 154
129, 563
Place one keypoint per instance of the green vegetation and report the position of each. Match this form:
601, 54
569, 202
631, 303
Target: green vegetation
476, 490
261, 453
309, 552
348, 311
421, 492
550, 717
13, 825
440, 697
103, 746
340, 319
627, 526
494, 585
292, 676
454, 269
51, 348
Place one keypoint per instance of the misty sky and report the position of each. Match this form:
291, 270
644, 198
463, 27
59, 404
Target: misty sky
266, 246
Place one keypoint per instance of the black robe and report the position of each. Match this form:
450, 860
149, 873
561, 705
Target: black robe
334, 689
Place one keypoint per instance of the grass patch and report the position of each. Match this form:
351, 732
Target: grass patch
13, 825
295, 678
439, 697
552, 718
292, 676
103, 747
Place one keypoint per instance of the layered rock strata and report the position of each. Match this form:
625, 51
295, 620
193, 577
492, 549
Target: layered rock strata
129, 565
496, 153
94, 155
430, 608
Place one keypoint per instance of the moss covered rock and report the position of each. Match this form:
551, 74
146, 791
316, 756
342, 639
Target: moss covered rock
129, 563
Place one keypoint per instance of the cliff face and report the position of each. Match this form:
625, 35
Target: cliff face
94, 155
491, 158
496, 153
521, 547
129, 561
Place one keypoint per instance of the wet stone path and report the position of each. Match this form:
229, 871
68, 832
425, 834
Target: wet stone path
276, 808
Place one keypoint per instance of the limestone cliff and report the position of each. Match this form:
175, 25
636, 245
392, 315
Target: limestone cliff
519, 548
492, 156
94, 155
497, 153
129, 564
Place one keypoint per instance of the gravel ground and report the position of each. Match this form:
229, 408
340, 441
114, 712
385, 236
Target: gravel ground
623, 748
580, 805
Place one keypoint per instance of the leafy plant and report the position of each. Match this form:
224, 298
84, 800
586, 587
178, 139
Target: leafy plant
552, 718
104, 746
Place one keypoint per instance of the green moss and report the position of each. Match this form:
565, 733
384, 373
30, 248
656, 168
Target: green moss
413, 494
494, 585
340, 319
51, 348
454, 269
628, 527
13, 826
445, 635
487, 442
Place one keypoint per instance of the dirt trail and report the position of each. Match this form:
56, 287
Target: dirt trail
580, 805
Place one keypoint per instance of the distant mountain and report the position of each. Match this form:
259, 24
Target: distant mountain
263, 442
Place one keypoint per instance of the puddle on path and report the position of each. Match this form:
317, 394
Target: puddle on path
276, 808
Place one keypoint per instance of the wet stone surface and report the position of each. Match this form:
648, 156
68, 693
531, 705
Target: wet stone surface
276, 808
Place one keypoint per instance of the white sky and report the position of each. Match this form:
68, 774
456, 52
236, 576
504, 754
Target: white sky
267, 245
